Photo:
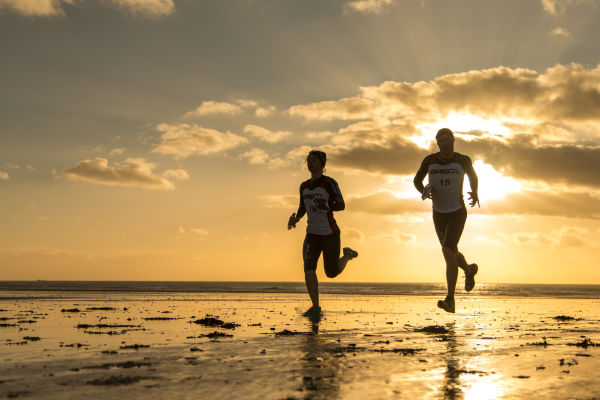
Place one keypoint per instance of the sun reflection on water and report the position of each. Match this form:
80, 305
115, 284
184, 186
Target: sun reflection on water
482, 388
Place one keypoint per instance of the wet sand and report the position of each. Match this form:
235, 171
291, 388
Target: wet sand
258, 346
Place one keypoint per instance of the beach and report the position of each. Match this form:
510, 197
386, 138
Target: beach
215, 345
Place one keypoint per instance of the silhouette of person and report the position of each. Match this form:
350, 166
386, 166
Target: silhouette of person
320, 196
446, 170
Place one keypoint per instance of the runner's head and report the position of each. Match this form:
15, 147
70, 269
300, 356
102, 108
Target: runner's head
315, 161
445, 140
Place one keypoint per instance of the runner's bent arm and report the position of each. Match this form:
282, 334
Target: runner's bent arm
421, 174
301, 209
338, 200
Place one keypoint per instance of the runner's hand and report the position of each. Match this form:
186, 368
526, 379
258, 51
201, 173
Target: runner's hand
474, 199
426, 194
292, 221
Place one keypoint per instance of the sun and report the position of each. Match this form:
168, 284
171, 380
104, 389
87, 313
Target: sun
492, 184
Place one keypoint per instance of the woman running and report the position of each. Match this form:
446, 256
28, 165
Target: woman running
320, 196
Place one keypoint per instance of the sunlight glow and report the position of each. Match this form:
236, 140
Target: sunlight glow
462, 123
492, 184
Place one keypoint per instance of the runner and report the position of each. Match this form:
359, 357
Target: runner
320, 196
446, 171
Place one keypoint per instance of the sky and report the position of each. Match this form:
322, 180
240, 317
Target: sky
166, 139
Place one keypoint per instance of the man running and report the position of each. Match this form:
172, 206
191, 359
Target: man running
446, 171
320, 196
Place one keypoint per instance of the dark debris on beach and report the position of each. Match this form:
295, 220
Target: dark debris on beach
117, 380
215, 322
287, 332
585, 343
439, 329
213, 335
566, 318
544, 343
124, 364
135, 346
401, 351
87, 326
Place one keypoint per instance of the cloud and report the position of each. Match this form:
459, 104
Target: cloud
281, 201
562, 204
353, 234
555, 7
344, 109
526, 118
53, 8
184, 140
560, 94
265, 135
399, 237
257, 156
224, 108
36, 8
386, 203
147, 8
367, 6
4, 176
117, 152
263, 112
566, 236
135, 172
559, 31
214, 108
198, 232
521, 158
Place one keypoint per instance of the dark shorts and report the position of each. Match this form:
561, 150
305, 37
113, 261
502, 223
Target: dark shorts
449, 227
329, 245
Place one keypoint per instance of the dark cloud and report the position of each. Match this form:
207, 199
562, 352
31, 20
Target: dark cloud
398, 157
521, 158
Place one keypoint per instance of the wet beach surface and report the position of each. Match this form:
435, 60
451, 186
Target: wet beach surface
258, 346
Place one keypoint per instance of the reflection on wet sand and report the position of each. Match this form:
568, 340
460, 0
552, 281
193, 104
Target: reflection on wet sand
451, 388
320, 366
460, 382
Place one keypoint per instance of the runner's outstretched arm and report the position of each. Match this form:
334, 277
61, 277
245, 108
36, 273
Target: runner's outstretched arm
473, 181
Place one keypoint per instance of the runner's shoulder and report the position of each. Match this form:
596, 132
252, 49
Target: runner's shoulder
305, 184
464, 159
329, 179
429, 159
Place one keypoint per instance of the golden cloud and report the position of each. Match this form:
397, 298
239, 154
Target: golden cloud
135, 172
184, 140
50, 8
366, 6
561, 93
266, 135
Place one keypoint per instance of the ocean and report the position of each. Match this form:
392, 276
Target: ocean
62, 289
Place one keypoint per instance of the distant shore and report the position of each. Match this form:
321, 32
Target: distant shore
363, 288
